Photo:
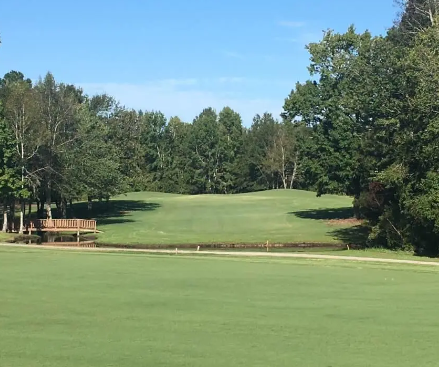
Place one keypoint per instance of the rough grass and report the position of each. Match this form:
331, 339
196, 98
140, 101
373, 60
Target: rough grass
281, 216
7, 237
61, 308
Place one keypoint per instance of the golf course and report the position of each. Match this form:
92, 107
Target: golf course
66, 308
219, 184
102, 307
278, 216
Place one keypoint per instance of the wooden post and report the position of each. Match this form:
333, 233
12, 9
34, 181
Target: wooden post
77, 233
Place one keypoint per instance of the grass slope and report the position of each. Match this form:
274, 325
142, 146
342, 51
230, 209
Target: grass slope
6, 237
282, 216
80, 309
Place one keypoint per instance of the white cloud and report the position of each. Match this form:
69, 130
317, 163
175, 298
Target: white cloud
232, 54
291, 24
186, 98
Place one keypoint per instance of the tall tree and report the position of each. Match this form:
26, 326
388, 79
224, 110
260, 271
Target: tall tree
91, 167
229, 149
58, 105
178, 157
333, 108
203, 143
21, 113
260, 139
156, 153
125, 132
10, 182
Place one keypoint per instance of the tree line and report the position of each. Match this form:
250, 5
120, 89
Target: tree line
365, 124
58, 145
372, 108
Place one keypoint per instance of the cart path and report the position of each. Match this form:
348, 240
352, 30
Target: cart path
228, 253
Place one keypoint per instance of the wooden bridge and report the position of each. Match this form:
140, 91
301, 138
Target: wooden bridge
62, 225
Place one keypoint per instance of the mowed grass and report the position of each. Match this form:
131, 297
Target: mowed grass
6, 237
280, 216
61, 308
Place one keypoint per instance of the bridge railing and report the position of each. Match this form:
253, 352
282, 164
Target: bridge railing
63, 224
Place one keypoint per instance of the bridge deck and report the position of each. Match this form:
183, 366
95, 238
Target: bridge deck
63, 225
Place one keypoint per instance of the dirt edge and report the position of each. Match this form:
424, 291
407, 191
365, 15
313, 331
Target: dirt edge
231, 254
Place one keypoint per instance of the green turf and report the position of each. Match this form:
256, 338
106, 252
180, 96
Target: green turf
282, 216
367, 252
377, 253
7, 237
81, 309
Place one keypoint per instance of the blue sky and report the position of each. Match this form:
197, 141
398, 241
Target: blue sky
178, 56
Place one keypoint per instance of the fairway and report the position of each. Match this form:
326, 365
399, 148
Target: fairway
281, 216
61, 308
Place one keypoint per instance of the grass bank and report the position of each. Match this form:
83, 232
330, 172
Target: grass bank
280, 216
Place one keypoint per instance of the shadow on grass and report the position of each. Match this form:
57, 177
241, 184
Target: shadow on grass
356, 235
114, 211
107, 221
325, 214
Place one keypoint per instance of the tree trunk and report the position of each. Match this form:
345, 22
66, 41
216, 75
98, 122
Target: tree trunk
22, 209
5, 217
89, 204
41, 206
22, 204
29, 211
12, 216
49, 210
63, 207
284, 173
293, 176
49, 201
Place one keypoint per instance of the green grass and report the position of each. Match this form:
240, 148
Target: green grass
367, 252
62, 308
378, 253
6, 237
282, 216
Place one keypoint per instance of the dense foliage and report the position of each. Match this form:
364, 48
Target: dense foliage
373, 112
366, 124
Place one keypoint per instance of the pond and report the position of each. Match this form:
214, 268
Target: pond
54, 238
